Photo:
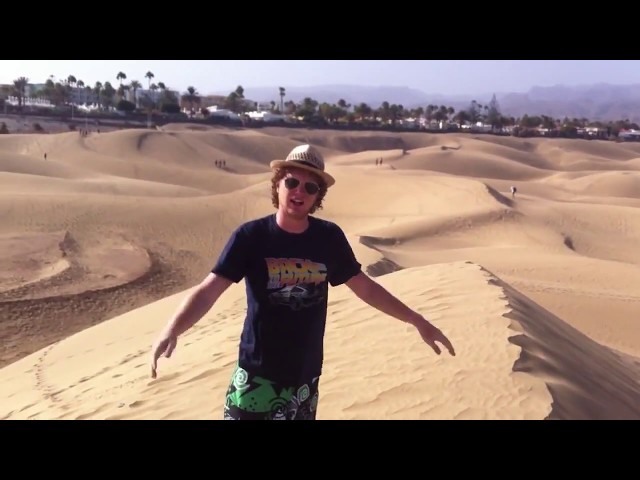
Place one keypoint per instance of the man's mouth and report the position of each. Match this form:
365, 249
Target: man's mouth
297, 202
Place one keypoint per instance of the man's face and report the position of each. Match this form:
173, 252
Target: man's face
297, 193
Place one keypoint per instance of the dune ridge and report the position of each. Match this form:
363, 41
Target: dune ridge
538, 292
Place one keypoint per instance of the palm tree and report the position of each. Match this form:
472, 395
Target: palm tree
71, 81
20, 87
121, 76
80, 84
149, 75
87, 94
97, 89
282, 94
135, 85
152, 97
122, 91
108, 94
191, 97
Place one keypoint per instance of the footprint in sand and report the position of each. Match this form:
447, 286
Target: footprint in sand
41, 383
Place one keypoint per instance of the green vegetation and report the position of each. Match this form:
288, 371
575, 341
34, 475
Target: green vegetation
157, 104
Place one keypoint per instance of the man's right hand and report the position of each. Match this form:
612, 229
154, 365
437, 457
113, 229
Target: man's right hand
190, 311
165, 345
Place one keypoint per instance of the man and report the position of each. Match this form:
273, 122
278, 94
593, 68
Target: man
288, 259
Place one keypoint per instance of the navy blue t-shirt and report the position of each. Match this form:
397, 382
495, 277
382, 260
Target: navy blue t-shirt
287, 277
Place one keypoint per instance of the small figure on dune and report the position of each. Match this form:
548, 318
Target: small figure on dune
513, 191
45, 155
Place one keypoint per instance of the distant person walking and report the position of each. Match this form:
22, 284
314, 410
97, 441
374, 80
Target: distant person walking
513, 191
288, 259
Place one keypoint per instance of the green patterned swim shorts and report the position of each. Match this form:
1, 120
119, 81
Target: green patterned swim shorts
251, 397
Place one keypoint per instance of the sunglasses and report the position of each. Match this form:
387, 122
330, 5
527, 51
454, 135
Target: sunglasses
310, 187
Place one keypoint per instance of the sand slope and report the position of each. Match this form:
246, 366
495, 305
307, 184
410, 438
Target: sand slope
515, 360
539, 293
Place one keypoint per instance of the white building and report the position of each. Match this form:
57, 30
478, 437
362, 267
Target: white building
266, 117
214, 111
633, 135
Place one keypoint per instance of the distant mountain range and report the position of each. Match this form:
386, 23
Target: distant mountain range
596, 102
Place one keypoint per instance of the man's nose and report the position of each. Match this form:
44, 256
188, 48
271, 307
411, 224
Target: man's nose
299, 188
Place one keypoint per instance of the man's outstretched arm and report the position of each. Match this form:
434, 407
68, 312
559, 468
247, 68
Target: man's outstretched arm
192, 309
197, 304
378, 297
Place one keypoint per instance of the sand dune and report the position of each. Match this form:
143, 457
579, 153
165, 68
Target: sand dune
539, 293
515, 360
29, 165
469, 162
608, 184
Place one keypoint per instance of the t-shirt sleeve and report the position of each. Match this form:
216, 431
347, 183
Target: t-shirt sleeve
233, 260
344, 265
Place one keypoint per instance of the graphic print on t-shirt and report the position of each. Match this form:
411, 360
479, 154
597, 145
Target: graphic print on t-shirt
295, 282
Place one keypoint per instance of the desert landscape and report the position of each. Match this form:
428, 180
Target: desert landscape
539, 292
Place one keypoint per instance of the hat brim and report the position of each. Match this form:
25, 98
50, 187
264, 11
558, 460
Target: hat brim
328, 179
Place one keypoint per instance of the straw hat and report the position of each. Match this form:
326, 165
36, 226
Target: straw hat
307, 158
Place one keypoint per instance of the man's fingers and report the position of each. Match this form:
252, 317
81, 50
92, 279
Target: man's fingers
433, 345
154, 360
165, 348
170, 347
154, 366
452, 351
437, 336
445, 341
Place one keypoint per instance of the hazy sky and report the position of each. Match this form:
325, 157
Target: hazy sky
430, 76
